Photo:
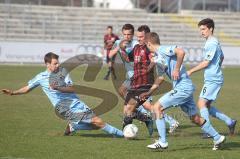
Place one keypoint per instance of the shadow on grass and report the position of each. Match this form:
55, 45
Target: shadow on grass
180, 127
108, 136
230, 145
185, 148
97, 135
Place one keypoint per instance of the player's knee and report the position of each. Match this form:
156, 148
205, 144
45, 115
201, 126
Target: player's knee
201, 103
147, 105
129, 109
158, 110
157, 107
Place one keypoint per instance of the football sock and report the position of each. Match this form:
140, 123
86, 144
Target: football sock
142, 116
219, 115
161, 127
204, 113
112, 130
141, 109
127, 120
169, 119
208, 128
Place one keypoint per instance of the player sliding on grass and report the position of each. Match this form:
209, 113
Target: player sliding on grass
213, 76
169, 61
57, 85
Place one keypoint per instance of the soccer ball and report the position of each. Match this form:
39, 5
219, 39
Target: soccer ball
130, 131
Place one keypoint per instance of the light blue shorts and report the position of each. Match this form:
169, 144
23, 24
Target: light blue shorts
181, 98
76, 111
210, 91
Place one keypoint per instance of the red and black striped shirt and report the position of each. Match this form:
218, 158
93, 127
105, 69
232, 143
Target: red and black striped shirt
109, 40
142, 78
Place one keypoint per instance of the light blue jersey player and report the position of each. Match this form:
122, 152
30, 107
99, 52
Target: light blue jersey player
57, 85
127, 64
213, 75
169, 62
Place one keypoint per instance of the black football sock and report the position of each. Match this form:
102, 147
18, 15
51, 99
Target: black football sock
127, 120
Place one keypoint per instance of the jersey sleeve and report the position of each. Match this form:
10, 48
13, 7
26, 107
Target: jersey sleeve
168, 50
33, 83
160, 68
210, 50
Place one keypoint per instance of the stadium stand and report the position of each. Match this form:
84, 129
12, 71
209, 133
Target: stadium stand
86, 25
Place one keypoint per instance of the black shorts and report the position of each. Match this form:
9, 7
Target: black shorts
134, 94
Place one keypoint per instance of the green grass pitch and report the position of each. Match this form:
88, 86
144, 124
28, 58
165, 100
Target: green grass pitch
29, 128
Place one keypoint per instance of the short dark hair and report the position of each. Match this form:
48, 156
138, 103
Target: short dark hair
109, 27
49, 56
144, 28
153, 38
208, 22
128, 27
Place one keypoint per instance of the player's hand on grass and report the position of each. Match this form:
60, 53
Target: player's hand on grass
176, 74
7, 91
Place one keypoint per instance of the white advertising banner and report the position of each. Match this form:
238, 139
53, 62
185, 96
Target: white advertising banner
26, 52
231, 55
22, 52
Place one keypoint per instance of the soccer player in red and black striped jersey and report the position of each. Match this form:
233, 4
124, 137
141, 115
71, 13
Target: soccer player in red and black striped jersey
109, 40
143, 77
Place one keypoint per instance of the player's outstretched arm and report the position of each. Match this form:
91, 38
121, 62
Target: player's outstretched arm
199, 67
180, 56
158, 81
20, 91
